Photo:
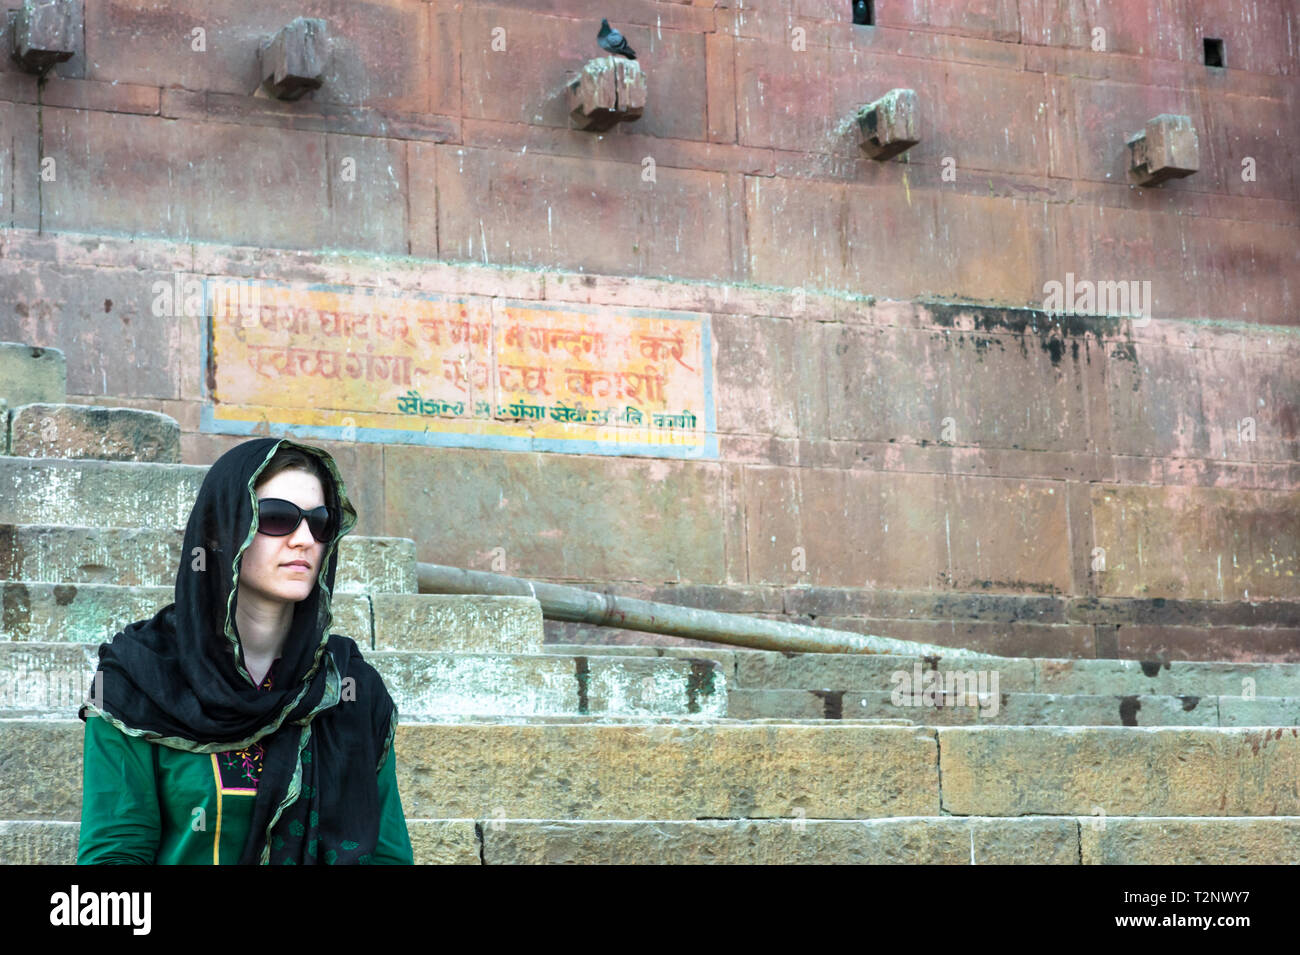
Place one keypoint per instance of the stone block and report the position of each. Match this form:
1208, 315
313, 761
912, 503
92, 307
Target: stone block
582, 213
1175, 542
986, 247
294, 60
43, 33
931, 840
376, 565
762, 669
1161, 771
39, 843
725, 659
889, 125
434, 488
1177, 678
89, 431
1259, 711
1173, 841
666, 771
444, 841
457, 623
1165, 149
458, 686
1012, 709
608, 90
30, 374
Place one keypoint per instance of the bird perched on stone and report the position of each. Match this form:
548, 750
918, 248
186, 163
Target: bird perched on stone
610, 39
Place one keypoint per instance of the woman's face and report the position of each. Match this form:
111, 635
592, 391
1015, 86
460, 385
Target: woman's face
273, 566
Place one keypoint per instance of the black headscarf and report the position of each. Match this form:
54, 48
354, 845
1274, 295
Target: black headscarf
179, 680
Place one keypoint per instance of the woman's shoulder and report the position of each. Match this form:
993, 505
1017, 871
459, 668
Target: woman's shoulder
347, 654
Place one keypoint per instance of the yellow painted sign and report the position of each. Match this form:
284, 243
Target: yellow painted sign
359, 364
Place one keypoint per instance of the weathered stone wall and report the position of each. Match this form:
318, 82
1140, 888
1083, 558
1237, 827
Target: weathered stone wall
974, 474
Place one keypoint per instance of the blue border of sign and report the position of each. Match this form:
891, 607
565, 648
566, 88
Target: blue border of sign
209, 424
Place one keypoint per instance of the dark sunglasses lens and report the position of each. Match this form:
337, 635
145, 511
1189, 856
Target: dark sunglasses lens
277, 518
321, 524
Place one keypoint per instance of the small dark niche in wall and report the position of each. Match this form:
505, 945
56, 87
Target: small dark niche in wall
1214, 52
864, 12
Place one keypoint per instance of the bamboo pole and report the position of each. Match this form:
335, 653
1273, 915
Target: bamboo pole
562, 602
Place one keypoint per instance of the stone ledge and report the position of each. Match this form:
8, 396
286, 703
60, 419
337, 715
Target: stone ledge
45, 430
1014, 771
933, 840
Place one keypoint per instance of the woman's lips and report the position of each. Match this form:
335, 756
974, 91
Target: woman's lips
297, 566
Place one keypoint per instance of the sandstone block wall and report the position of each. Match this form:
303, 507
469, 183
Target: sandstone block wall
908, 444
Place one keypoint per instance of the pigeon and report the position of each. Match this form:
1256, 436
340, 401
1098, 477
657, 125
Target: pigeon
610, 39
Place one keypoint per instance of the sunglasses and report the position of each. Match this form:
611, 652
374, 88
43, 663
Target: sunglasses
278, 518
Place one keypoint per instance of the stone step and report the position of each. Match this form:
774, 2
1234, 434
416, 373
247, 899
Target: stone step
924, 840
97, 493
762, 669
429, 686
93, 613
150, 556
678, 769
450, 623
1176, 678
29, 373
863, 673
50, 681
1020, 709
457, 623
46, 430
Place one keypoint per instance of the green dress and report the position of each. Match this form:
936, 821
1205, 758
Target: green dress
153, 805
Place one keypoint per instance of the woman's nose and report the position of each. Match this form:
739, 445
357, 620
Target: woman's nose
302, 535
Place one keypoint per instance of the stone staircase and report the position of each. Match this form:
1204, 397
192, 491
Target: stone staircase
513, 750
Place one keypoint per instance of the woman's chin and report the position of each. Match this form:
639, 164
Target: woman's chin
297, 594
290, 593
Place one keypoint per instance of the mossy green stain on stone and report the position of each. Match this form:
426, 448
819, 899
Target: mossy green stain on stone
700, 682
582, 670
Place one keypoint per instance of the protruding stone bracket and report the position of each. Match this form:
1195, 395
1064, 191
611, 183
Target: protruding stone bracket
606, 91
889, 125
1166, 148
293, 61
42, 33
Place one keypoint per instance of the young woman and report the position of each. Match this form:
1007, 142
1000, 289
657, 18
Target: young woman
233, 727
